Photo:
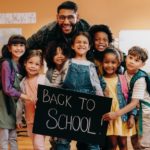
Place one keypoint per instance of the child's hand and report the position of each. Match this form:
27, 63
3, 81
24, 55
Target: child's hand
131, 122
26, 97
138, 106
110, 116
19, 125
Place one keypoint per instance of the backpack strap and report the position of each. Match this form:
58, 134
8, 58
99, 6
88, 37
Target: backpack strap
140, 120
124, 86
6, 97
138, 75
10, 65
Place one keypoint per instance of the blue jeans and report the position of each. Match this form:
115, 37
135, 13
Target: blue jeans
85, 146
64, 144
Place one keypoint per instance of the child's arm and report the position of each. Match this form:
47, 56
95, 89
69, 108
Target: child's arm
95, 80
138, 93
120, 112
7, 81
131, 121
25, 97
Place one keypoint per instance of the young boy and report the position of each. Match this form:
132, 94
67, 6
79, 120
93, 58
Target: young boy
136, 59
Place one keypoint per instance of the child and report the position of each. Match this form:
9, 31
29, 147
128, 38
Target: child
10, 92
80, 75
33, 63
56, 55
136, 59
114, 85
101, 38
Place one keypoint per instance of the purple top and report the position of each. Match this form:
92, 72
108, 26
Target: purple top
8, 77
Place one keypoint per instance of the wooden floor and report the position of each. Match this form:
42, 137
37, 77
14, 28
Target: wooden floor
25, 143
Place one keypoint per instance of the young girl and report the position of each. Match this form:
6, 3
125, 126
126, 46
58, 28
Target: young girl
115, 86
80, 75
135, 60
56, 55
33, 63
101, 38
10, 92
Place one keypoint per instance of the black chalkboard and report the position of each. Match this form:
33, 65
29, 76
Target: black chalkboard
71, 115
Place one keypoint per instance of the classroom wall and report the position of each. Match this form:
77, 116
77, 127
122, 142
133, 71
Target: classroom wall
118, 14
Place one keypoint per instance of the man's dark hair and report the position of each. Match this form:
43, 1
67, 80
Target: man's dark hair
67, 5
101, 28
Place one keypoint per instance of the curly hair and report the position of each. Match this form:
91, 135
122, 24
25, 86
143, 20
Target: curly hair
101, 28
51, 52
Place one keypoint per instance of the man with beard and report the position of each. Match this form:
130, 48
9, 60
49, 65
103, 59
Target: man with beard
62, 30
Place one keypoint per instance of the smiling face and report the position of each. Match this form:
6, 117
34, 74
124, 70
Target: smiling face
67, 19
16, 50
33, 66
59, 58
81, 46
110, 64
101, 41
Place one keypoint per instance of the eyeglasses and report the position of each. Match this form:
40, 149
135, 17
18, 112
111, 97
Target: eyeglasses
69, 17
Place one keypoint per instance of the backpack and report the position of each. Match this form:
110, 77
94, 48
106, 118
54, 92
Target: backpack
138, 75
124, 86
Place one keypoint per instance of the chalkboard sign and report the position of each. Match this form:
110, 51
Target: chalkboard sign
71, 115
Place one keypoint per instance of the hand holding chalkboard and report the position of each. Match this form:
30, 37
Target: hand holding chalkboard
72, 115
110, 116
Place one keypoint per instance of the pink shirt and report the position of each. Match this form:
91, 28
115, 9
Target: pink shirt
29, 87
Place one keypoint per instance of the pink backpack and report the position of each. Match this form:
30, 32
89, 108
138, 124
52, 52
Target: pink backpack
124, 86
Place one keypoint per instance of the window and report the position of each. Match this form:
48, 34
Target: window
129, 38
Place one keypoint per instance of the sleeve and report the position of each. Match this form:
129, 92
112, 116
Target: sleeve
95, 80
139, 89
7, 83
40, 39
65, 70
